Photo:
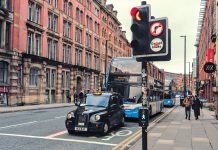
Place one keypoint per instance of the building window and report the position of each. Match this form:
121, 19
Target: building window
96, 45
67, 29
67, 55
33, 77
78, 57
95, 82
30, 11
8, 4
63, 79
88, 60
3, 72
34, 12
7, 35
50, 2
56, 3
37, 44
33, 43
78, 35
70, 9
49, 20
30, 42
65, 6
37, 15
88, 40
47, 78
49, 48
53, 81
55, 50
52, 22
52, 49
96, 62
87, 82
55, 23
68, 79
79, 15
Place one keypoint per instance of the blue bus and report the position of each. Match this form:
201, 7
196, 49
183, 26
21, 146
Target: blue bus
124, 77
169, 93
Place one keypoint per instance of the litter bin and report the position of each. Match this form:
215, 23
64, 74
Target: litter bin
181, 101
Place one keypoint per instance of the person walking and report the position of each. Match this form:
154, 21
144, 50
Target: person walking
187, 102
196, 107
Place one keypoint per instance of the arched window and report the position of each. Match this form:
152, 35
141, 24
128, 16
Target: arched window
33, 81
3, 72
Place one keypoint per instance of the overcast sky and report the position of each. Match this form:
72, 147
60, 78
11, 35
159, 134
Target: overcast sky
183, 19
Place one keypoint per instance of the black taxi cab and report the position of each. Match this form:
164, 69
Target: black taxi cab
97, 112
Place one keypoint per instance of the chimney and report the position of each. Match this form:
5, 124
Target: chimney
110, 7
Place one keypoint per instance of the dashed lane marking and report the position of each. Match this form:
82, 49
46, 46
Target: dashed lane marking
15, 125
57, 139
60, 117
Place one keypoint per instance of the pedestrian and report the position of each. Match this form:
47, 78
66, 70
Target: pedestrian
187, 102
75, 97
81, 96
196, 107
69, 98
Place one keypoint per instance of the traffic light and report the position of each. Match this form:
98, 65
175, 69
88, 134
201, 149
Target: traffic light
143, 117
140, 29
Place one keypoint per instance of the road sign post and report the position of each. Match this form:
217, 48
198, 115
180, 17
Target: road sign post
150, 42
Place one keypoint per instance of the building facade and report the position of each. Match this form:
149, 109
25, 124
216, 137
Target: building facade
57, 48
204, 43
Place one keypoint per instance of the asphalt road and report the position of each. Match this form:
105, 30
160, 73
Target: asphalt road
45, 130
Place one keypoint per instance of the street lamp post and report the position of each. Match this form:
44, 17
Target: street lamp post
189, 78
105, 65
184, 36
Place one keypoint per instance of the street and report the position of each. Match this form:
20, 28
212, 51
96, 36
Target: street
45, 129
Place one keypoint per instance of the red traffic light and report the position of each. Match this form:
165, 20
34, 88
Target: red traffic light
135, 13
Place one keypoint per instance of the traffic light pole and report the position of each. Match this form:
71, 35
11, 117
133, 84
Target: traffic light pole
144, 115
144, 138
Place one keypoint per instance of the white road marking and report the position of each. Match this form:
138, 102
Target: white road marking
15, 125
57, 134
57, 139
60, 117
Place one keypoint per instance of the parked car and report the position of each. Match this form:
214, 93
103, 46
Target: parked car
97, 112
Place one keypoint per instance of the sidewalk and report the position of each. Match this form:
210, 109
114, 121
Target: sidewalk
5, 109
176, 133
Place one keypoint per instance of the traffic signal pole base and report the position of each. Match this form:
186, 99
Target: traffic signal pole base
144, 138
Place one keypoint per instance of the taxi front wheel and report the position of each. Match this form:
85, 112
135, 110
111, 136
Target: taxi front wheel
105, 128
71, 131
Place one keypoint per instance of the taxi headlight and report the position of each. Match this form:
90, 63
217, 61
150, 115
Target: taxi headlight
95, 118
70, 115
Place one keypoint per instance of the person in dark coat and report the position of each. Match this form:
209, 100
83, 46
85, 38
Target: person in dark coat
75, 97
196, 107
81, 95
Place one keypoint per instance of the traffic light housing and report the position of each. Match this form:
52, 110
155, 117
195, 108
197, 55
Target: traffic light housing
140, 26
143, 117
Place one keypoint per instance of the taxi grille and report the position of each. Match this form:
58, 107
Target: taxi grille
82, 119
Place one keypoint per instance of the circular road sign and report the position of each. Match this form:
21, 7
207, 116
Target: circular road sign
156, 28
209, 67
156, 45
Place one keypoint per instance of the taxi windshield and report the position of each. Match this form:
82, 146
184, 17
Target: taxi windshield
96, 100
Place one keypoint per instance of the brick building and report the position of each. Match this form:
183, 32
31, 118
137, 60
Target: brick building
203, 43
54, 48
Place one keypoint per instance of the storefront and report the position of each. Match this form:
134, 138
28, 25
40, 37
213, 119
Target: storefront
3, 95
